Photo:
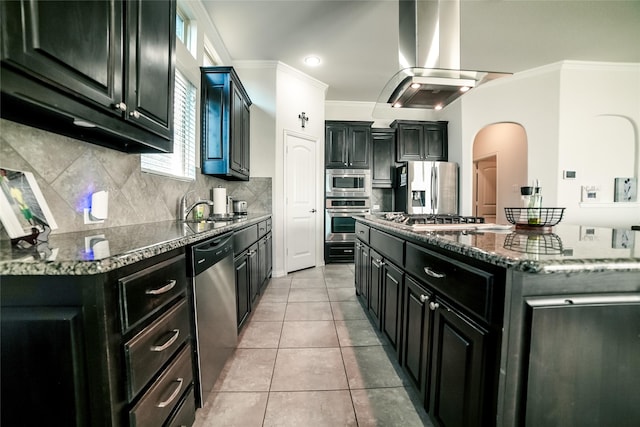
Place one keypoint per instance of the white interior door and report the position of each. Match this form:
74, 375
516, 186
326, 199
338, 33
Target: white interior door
300, 198
486, 200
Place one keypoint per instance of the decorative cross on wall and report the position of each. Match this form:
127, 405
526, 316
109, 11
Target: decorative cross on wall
303, 118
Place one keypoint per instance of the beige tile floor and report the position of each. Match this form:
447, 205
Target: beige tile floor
309, 357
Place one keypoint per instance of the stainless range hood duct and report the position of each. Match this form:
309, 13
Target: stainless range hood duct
429, 57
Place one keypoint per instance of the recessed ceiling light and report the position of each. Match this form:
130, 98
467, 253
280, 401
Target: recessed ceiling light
415, 85
464, 88
397, 105
312, 61
438, 107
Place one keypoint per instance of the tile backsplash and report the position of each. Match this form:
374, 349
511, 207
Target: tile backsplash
69, 170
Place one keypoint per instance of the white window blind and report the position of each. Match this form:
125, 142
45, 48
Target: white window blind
182, 162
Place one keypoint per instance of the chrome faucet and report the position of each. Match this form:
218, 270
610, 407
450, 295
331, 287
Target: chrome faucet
185, 211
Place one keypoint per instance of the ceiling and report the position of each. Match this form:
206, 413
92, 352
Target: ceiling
357, 40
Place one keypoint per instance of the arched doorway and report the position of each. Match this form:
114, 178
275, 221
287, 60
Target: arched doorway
499, 170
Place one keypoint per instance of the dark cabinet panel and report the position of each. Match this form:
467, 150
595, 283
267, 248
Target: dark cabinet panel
43, 41
99, 71
392, 282
583, 367
457, 396
225, 122
375, 286
421, 141
362, 278
347, 144
150, 66
243, 280
58, 388
383, 153
254, 273
416, 335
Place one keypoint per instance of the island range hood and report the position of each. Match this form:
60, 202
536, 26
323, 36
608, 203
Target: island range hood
429, 58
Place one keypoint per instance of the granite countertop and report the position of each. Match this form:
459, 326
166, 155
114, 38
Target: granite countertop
102, 250
565, 249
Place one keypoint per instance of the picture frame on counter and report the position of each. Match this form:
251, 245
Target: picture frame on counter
626, 190
23, 208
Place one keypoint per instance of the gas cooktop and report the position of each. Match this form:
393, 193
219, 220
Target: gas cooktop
406, 219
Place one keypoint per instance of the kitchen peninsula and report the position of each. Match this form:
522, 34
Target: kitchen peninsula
508, 327
97, 326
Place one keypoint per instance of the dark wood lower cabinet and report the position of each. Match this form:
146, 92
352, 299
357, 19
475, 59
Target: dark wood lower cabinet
416, 330
375, 286
457, 369
27, 333
241, 264
392, 278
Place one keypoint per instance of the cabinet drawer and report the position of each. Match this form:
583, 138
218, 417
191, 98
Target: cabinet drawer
362, 232
185, 414
262, 228
164, 394
150, 349
244, 238
144, 292
461, 283
389, 246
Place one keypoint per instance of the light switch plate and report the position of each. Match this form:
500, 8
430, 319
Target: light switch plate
590, 194
569, 174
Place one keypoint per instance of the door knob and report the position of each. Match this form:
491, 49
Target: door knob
312, 211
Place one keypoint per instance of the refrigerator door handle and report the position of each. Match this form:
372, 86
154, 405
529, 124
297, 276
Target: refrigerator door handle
434, 189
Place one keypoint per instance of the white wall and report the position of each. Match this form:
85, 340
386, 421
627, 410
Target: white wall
565, 109
598, 134
279, 94
530, 99
297, 93
364, 111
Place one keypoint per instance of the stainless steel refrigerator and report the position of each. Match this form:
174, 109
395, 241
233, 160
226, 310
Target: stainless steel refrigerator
427, 188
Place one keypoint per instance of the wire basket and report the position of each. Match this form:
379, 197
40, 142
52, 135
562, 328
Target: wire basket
534, 217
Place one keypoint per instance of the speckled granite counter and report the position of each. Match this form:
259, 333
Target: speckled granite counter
567, 249
103, 250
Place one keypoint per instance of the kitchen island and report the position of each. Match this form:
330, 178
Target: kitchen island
508, 327
98, 326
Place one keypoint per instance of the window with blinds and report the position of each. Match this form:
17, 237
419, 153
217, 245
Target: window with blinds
181, 163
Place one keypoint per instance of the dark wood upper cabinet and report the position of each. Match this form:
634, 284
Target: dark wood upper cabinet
421, 141
99, 71
383, 153
225, 113
347, 144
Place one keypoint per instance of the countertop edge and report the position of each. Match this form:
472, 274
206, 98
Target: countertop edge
116, 261
566, 266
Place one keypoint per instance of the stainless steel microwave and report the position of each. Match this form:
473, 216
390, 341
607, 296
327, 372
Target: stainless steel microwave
348, 183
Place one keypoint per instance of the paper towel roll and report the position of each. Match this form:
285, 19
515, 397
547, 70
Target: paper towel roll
219, 201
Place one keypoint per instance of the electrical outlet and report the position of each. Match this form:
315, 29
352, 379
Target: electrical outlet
569, 174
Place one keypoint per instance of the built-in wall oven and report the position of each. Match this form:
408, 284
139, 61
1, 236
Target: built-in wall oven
353, 183
340, 227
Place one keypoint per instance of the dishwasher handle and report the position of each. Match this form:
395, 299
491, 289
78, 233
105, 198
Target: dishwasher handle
210, 252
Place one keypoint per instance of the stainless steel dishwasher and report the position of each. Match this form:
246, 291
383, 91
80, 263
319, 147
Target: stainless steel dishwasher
214, 300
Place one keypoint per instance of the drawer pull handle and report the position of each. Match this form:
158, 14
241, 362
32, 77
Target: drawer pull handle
424, 298
166, 288
433, 274
174, 394
169, 342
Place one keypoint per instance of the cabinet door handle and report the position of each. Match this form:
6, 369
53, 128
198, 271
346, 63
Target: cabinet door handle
424, 298
166, 288
312, 211
135, 114
433, 305
433, 274
168, 343
120, 106
173, 395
